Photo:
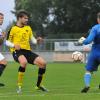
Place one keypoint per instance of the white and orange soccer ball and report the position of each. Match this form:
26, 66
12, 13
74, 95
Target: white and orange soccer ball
77, 56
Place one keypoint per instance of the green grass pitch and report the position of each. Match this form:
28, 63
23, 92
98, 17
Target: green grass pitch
64, 80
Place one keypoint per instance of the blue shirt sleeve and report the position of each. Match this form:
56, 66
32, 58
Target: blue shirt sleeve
91, 36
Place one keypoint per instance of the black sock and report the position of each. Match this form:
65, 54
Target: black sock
40, 76
2, 67
21, 69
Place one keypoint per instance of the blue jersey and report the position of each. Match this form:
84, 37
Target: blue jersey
94, 37
94, 57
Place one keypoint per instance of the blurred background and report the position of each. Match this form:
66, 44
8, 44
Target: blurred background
54, 18
59, 22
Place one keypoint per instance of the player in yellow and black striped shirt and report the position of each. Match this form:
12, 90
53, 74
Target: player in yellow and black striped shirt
18, 40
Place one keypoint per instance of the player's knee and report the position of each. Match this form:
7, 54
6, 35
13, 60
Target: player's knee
43, 64
4, 62
40, 62
22, 60
23, 63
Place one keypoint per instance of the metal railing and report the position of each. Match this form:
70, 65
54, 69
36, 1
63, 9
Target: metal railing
48, 49
46, 45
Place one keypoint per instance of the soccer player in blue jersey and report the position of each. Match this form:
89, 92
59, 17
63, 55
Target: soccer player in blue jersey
94, 57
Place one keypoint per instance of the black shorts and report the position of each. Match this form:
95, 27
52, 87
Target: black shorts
29, 55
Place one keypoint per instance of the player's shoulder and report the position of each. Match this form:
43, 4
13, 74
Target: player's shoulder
97, 26
13, 27
27, 27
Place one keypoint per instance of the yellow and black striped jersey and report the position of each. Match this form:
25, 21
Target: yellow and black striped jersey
21, 36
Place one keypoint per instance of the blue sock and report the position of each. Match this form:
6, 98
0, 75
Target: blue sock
87, 79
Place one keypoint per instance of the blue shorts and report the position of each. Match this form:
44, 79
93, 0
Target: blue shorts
93, 62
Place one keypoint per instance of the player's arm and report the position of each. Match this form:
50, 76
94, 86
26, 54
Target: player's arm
32, 37
9, 44
9, 41
36, 40
39, 40
12, 45
33, 40
90, 37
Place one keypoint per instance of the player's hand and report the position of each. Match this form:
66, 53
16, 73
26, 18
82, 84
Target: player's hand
17, 46
39, 40
80, 41
86, 48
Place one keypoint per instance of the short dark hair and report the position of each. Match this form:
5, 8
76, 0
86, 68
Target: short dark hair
22, 13
98, 15
1, 14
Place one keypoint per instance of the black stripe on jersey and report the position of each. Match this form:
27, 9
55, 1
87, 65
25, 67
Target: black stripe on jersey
8, 33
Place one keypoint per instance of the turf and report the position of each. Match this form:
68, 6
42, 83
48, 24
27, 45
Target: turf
64, 80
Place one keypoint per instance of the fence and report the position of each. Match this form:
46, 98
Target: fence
53, 50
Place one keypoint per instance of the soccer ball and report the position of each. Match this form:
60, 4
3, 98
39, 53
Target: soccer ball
77, 56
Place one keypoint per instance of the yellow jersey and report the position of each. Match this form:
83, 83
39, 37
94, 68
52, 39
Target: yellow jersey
21, 36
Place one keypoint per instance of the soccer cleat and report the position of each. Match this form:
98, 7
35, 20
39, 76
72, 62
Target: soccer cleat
99, 86
85, 89
19, 90
1, 84
42, 88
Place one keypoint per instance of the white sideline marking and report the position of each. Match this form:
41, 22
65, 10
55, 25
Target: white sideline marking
23, 94
5, 95
34, 95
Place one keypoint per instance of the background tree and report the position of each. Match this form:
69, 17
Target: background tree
60, 17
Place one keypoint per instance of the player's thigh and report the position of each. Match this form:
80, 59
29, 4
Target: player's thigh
30, 56
33, 58
22, 60
92, 64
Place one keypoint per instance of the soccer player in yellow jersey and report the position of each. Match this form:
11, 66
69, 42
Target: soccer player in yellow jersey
18, 40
